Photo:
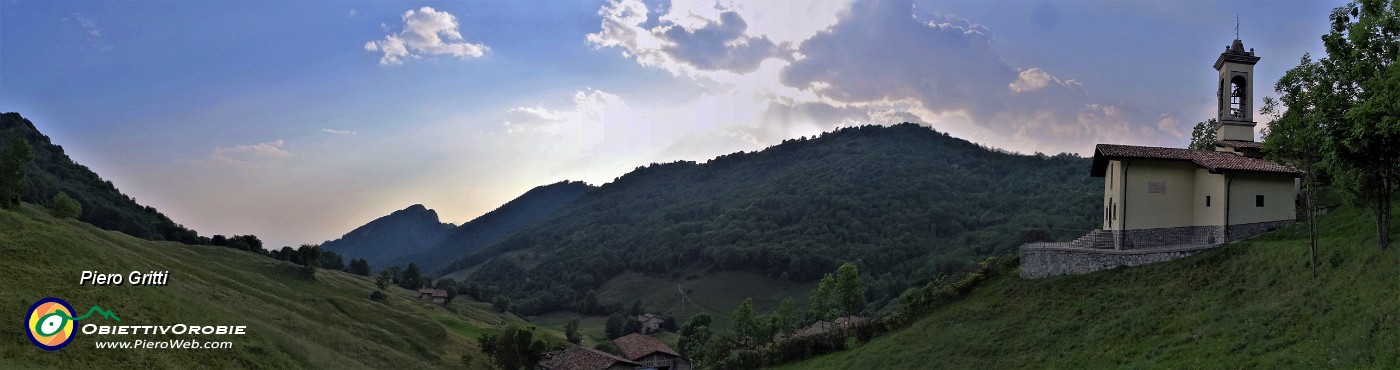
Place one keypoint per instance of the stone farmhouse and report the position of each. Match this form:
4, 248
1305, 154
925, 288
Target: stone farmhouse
430, 294
650, 322
1161, 204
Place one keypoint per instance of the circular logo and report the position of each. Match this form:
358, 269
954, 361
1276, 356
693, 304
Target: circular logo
50, 324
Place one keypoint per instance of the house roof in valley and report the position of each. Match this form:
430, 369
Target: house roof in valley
635, 346
582, 358
1213, 161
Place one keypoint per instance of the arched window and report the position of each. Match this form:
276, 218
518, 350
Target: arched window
1238, 106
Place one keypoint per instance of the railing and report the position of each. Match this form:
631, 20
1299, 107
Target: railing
1051, 235
1232, 114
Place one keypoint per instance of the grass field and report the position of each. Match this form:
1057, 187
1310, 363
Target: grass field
1252, 304
292, 322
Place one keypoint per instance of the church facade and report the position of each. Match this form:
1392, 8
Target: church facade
1166, 203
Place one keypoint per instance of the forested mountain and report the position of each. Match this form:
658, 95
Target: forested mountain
103, 205
905, 203
406, 231
536, 204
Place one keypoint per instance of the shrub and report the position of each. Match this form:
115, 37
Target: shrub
65, 206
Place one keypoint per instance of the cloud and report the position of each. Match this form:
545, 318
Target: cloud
88, 25
91, 28
339, 132
698, 44
250, 153
426, 32
352, 12
1035, 79
948, 73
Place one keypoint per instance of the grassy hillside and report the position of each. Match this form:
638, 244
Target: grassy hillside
52, 171
1252, 304
292, 322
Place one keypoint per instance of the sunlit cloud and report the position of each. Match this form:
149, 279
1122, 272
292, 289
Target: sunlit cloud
250, 153
339, 132
425, 32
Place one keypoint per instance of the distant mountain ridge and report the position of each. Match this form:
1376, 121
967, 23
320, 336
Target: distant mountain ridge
405, 231
102, 204
535, 205
415, 234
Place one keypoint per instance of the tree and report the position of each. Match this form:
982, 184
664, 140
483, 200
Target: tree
448, 285
12, 182
1362, 47
823, 298
331, 260
411, 278
850, 290
571, 332
358, 267
514, 348
1297, 137
694, 334
310, 255
65, 206
386, 277
501, 303
785, 320
745, 322
1203, 135
616, 327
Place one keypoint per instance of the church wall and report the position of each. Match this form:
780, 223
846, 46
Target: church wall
1113, 194
1159, 194
1212, 185
1279, 202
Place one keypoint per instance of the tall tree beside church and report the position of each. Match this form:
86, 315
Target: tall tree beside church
1203, 135
1296, 137
17, 154
1362, 47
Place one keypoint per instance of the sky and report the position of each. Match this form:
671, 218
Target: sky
299, 121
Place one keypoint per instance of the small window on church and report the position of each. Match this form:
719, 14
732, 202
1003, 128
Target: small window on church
1258, 200
1207, 201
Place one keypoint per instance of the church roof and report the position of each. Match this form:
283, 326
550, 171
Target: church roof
1240, 144
1213, 161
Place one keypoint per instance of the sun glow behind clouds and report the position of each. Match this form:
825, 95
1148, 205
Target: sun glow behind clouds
463, 106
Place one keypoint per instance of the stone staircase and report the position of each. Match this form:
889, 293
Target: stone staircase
1096, 239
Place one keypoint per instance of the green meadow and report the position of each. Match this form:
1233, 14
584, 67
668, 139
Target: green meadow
1251, 304
292, 321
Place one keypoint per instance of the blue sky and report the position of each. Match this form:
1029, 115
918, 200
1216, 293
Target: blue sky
298, 121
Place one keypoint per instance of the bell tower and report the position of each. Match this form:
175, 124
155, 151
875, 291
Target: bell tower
1235, 93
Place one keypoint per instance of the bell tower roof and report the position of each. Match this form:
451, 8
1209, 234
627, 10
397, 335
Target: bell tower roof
1235, 53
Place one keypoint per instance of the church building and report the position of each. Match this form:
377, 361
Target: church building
1165, 203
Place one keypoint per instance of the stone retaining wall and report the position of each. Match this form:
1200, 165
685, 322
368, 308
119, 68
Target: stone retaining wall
1141, 247
1046, 262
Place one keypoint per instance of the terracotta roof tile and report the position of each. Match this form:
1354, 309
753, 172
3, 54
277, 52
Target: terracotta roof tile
582, 358
635, 346
1238, 144
1211, 160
